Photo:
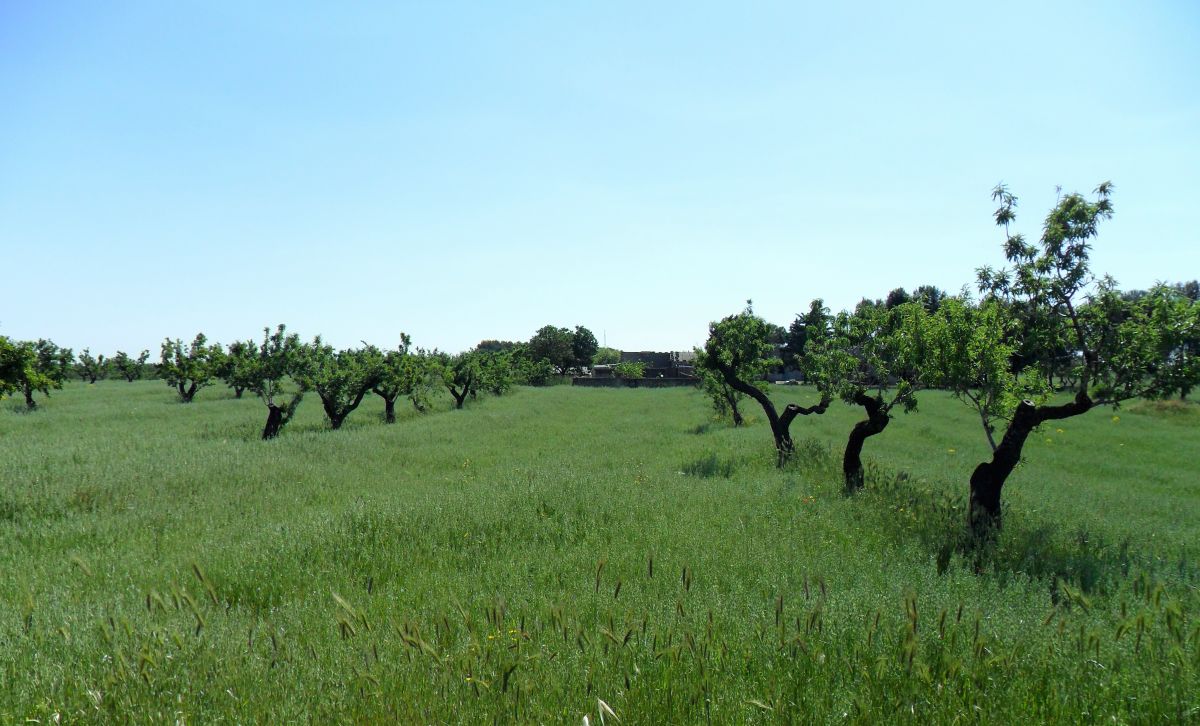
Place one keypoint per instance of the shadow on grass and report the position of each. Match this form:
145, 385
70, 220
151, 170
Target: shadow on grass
709, 466
1028, 548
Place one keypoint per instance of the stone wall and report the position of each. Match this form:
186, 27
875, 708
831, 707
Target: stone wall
634, 382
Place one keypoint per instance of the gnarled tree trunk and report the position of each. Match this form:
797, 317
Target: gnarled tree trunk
274, 422
338, 415
877, 421
987, 481
780, 424
186, 394
29, 402
460, 396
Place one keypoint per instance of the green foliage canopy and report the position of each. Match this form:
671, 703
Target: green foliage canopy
189, 368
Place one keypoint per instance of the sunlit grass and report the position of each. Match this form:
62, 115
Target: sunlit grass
533, 557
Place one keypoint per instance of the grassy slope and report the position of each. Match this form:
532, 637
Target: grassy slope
517, 537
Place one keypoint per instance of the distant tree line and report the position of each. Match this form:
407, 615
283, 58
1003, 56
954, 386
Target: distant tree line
281, 370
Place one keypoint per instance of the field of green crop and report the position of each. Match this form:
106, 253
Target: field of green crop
565, 553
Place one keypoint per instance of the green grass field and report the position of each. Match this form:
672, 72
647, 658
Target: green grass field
561, 553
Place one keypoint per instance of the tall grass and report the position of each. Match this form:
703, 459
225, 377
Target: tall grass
562, 553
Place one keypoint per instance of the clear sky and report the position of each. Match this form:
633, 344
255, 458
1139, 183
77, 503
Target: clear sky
465, 171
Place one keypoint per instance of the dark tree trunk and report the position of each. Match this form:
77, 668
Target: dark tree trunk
780, 425
458, 397
274, 422
338, 415
29, 402
187, 394
389, 397
238, 391
988, 479
877, 421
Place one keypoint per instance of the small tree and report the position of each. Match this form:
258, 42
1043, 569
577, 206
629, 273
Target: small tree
1179, 303
497, 372
530, 372
871, 358
341, 378
30, 367
91, 368
606, 356
276, 360
128, 367
1117, 347
460, 376
738, 348
402, 372
632, 370
188, 369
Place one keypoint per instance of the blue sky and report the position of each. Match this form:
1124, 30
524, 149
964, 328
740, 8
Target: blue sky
464, 171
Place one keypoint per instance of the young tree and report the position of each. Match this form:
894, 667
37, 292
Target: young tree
1118, 347
188, 369
497, 372
606, 356
402, 372
460, 376
276, 360
738, 349
530, 372
128, 367
341, 378
1181, 303
239, 366
91, 368
30, 367
871, 358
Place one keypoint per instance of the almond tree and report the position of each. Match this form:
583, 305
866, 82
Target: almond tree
267, 374
128, 367
403, 372
239, 366
1120, 350
341, 378
738, 348
91, 368
460, 375
31, 367
188, 369
869, 358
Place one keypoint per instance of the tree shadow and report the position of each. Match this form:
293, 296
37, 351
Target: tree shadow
1029, 548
